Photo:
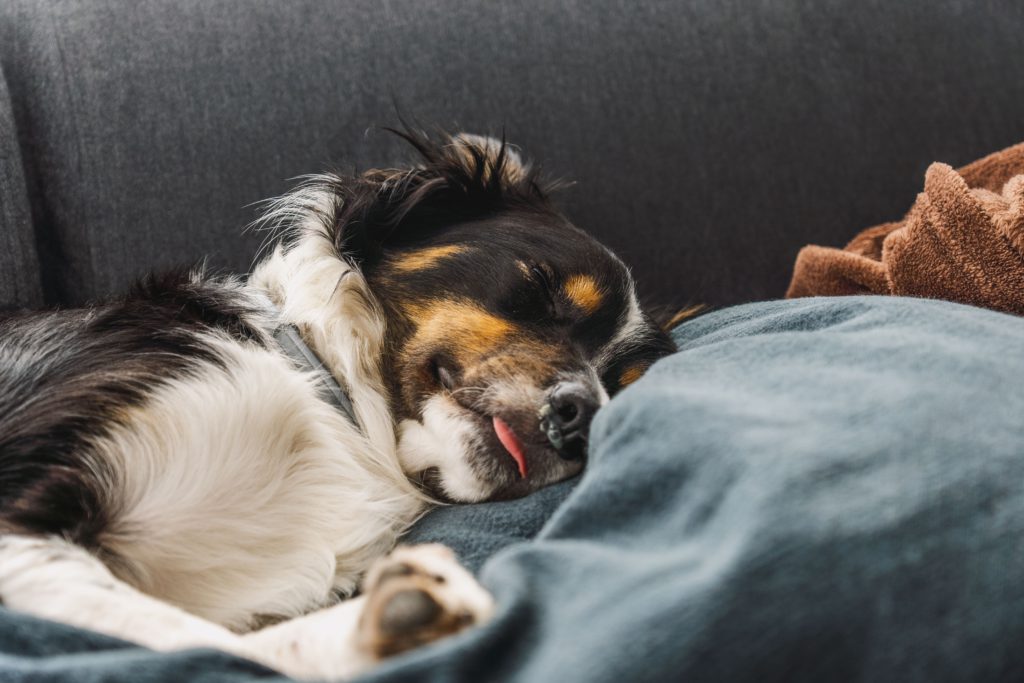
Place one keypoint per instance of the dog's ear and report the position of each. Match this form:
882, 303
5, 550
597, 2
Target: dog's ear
458, 177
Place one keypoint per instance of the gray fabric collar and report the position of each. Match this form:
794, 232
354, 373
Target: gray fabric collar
304, 358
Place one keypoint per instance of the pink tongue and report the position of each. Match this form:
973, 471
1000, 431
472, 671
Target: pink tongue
511, 443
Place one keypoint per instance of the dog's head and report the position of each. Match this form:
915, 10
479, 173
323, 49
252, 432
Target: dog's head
507, 326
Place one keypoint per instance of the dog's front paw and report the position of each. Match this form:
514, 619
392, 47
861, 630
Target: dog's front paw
416, 595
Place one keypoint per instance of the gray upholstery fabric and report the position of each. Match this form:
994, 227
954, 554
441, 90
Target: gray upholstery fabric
710, 139
19, 267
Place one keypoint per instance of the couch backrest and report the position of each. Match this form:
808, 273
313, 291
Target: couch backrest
20, 283
710, 140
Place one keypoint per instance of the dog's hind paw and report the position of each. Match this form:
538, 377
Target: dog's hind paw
416, 595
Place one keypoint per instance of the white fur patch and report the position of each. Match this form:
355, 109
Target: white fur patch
53, 579
442, 439
330, 302
239, 492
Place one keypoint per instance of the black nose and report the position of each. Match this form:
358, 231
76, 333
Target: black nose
566, 418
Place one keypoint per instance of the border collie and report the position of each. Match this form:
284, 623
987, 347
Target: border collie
212, 461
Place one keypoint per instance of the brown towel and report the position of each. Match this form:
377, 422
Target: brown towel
963, 240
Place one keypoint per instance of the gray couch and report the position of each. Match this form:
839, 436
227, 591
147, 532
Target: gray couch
710, 140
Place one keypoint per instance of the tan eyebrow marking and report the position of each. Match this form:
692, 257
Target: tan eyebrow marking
476, 330
422, 259
631, 374
583, 291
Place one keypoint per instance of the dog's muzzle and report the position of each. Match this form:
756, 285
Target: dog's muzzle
565, 418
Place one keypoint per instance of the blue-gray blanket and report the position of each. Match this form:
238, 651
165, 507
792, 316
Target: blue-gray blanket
815, 490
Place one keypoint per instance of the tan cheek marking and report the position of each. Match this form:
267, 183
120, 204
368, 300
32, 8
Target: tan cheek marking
582, 291
470, 328
426, 258
631, 374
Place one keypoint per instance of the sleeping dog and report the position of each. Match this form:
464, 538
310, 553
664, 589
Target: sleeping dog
223, 463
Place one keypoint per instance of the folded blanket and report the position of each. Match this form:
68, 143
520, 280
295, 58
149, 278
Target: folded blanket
963, 240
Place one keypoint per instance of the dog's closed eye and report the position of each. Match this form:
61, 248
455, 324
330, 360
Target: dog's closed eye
542, 278
441, 373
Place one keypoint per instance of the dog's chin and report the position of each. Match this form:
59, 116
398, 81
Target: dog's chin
485, 465
519, 468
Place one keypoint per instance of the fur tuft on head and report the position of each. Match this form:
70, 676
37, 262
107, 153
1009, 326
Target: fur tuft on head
457, 177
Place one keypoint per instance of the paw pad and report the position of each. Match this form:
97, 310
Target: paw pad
415, 596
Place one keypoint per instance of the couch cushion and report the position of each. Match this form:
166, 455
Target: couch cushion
710, 139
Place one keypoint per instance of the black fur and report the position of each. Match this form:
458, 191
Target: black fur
473, 201
393, 206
